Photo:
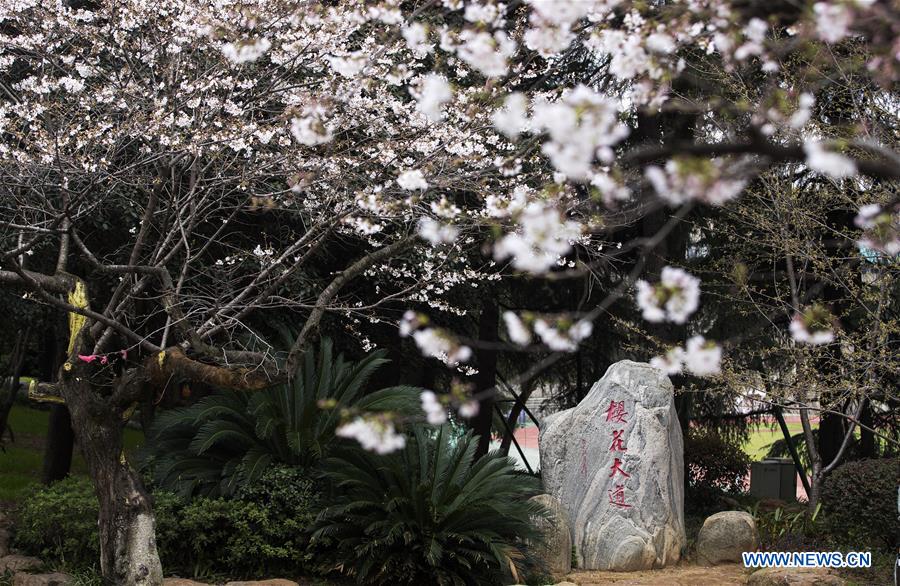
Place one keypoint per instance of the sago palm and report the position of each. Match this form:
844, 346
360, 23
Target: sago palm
230, 438
427, 514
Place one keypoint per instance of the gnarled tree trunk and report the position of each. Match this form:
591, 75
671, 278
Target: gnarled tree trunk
128, 554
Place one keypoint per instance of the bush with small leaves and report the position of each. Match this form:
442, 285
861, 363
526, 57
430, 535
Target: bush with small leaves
715, 461
859, 500
59, 523
264, 529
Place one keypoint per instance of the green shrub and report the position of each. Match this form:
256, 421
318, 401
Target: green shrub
716, 466
789, 528
230, 438
264, 530
427, 515
859, 500
59, 523
714, 461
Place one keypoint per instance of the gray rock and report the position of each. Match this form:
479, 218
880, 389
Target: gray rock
556, 551
619, 522
16, 563
724, 536
795, 577
4, 542
54, 579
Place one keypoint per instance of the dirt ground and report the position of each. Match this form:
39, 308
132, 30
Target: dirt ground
682, 575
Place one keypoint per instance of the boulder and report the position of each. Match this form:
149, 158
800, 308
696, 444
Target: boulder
724, 536
795, 577
54, 579
17, 563
272, 582
556, 551
615, 462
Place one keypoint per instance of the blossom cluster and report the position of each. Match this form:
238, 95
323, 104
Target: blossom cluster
813, 326
674, 298
694, 179
375, 433
700, 356
881, 228
473, 124
560, 333
434, 342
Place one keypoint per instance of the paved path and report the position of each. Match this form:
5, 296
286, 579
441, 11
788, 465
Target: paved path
681, 575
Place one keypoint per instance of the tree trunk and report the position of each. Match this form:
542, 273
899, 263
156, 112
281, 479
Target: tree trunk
866, 437
815, 490
60, 437
486, 378
128, 554
16, 362
517, 409
815, 461
831, 435
60, 443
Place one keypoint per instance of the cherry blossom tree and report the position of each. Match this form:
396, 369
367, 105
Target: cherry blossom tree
174, 171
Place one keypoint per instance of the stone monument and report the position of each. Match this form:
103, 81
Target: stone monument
615, 463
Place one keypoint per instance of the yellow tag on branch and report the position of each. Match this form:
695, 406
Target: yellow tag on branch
78, 298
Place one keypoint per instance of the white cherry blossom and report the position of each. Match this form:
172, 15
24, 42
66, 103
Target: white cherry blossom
562, 337
487, 53
373, 434
543, 236
416, 36
674, 298
516, 329
468, 410
312, 128
671, 363
434, 410
412, 180
437, 233
692, 178
512, 118
438, 343
246, 51
813, 326
582, 126
881, 228
827, 162
701, 357
804, 111
833, 21
433, 93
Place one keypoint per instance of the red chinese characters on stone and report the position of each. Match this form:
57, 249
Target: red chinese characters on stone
616, 412
618, 443
617, 467
617, 496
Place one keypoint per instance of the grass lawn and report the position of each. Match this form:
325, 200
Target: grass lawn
761, 437
21, 463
